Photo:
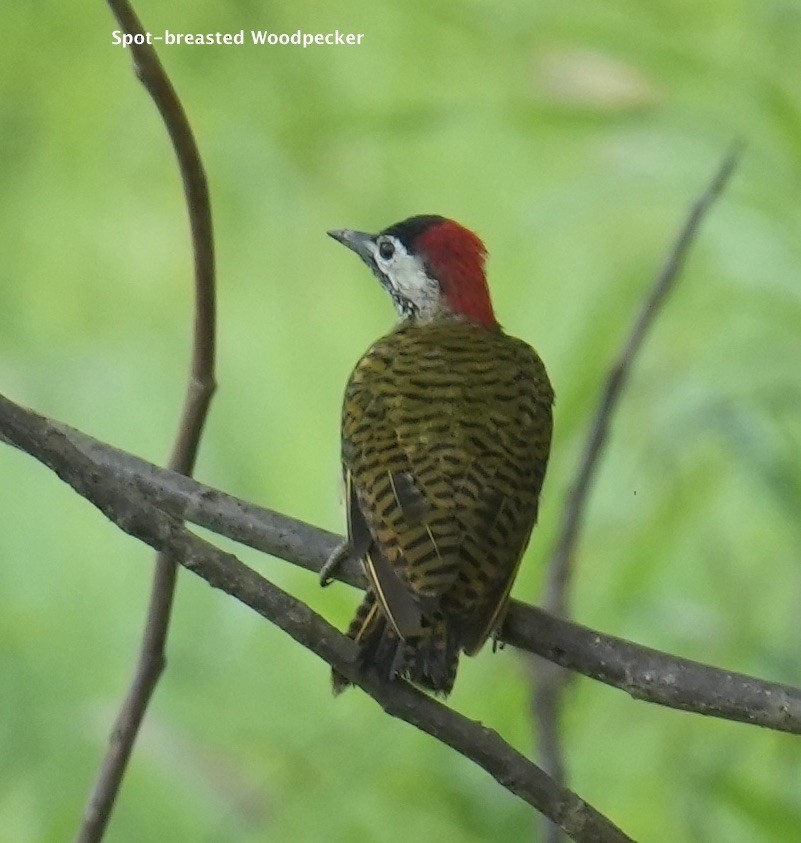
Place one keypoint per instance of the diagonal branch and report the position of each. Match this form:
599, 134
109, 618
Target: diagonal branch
645, 674
561, 565
548, 682
130, 508
201, 385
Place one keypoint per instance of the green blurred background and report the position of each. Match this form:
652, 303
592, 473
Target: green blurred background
573, 136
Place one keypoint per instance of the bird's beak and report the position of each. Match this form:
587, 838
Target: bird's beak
359, 241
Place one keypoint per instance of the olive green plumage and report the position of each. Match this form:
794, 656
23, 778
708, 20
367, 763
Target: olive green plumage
446, 431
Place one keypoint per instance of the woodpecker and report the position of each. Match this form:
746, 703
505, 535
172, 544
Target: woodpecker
446, 431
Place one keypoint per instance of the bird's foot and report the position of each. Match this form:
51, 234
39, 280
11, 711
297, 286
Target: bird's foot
340, 553
497, 643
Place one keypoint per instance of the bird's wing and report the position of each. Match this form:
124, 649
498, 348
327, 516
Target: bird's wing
401, 493
506, 477
390, 589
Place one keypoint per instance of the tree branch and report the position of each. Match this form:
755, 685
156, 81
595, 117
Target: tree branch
549, 682
152, 660
561, 565
130, 507
646, 674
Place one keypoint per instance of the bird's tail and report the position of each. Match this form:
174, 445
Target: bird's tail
428, 660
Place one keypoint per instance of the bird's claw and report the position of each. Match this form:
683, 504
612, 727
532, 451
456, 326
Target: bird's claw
330, 566
497, 643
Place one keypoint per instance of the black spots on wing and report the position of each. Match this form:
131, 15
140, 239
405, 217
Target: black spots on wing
412, 502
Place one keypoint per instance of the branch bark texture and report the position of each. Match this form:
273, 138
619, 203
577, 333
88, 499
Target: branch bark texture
93, 468
128, 504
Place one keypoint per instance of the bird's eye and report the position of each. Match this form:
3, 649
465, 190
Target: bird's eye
386, 249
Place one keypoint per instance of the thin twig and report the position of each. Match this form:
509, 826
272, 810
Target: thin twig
549, 682
131, 509
561, 564
90, 467
151, 660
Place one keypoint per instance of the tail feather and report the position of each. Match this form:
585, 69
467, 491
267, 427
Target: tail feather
432, 659
428, 660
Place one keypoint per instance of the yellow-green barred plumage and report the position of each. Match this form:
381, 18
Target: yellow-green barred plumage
446, 431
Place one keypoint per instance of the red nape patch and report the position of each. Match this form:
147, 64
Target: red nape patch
455, 257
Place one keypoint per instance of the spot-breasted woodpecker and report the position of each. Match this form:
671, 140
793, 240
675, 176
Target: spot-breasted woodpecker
446, 431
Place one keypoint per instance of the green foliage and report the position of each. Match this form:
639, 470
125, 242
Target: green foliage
573, 136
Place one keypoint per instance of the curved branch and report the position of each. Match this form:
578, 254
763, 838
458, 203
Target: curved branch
645, 674
200, 388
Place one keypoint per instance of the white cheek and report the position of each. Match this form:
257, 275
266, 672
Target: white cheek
409, 283
410, 279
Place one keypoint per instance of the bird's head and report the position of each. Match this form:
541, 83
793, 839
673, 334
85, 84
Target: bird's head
431, 266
